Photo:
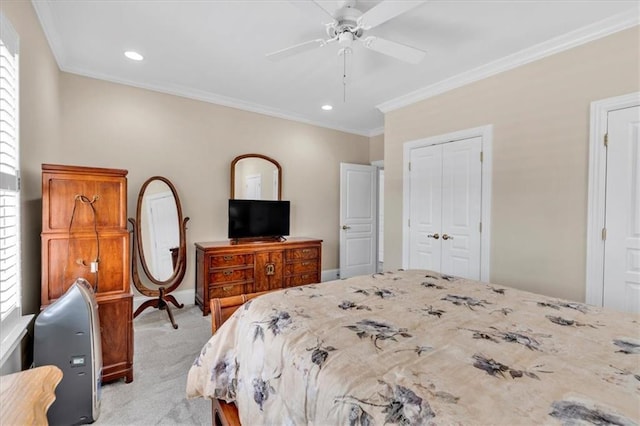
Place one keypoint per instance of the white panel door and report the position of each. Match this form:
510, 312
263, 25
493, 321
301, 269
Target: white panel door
253, 187
622, 244
461, 208
445, 191
380, 216
425, 216
164, 233
357, 219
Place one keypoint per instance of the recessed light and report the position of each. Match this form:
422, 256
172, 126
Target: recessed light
134, 56
327, 107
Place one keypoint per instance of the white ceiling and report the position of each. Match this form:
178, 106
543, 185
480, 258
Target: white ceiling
215, 50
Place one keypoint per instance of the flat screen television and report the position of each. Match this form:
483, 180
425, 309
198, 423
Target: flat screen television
258, 218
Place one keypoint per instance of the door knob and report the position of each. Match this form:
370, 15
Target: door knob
434, 236
447, 237
346, 227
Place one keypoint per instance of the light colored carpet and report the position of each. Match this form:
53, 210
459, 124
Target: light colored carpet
161, 361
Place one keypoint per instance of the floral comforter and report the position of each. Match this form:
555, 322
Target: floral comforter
417, 347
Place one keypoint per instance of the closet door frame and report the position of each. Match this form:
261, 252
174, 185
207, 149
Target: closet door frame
486, 134
596, 207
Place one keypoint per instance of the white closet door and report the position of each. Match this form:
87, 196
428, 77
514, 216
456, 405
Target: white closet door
425, 217
445, 192
461, 208
622, 245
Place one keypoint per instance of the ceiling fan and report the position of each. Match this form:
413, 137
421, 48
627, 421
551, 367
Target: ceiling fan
348, 25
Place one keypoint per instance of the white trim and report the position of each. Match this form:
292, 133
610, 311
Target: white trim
45, 16
186, 297
45, 13
559, 44
597, 181
564, 42
330, 275
378, 163
11, 335
200, 95
486, 134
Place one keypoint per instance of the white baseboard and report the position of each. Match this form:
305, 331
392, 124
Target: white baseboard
187, 297
330, 275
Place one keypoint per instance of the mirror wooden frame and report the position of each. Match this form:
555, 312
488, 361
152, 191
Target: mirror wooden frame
264, 157
161, 295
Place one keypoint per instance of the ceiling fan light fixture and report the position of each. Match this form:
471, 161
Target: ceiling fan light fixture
133, 55
346, 39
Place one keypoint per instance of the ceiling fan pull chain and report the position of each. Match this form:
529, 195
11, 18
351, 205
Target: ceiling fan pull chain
344, 52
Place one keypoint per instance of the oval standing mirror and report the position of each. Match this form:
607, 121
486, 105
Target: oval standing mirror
255, 177
159, 234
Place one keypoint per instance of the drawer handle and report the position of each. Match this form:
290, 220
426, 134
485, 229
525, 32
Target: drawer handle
306, 250
227, 258
306, 263
304, 277
227, 288
270, 269
227, 273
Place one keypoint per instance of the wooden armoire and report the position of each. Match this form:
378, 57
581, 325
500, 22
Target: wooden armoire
84, 234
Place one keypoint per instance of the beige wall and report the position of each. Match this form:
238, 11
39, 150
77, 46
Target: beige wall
376, 148
39, 135
192, 144
540, 118
69, 119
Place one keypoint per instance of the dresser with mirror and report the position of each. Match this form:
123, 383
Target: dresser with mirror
259, 262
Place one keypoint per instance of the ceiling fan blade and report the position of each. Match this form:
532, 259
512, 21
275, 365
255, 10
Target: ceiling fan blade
298, 48
397, 50
315, 10
385, 11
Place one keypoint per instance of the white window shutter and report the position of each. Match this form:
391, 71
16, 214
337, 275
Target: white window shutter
9, 174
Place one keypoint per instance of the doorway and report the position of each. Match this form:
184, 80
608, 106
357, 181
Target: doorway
613, 234
447, 203
357, 220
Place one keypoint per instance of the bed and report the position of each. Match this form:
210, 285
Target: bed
418, 347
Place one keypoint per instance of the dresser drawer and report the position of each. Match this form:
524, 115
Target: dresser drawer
303, 253
226, 290
231, 274
302, 279
300, 267
227, 260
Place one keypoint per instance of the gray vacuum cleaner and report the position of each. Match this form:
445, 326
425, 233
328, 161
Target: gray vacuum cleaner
67, 335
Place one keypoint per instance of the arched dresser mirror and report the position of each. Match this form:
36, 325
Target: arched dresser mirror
159, 242
255, 177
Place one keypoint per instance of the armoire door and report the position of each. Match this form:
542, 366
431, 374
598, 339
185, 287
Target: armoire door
445, 207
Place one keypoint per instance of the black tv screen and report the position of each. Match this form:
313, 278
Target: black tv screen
258, 218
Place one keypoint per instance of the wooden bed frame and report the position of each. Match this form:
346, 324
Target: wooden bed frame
224, 413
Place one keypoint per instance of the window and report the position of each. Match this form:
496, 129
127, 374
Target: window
11, 326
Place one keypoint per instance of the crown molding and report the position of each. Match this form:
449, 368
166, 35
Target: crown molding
198, 95
564, 42
45, 16
376, 132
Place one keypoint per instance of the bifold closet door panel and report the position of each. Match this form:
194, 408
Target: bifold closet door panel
64, 260
60, 195
461, 208
425, 248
